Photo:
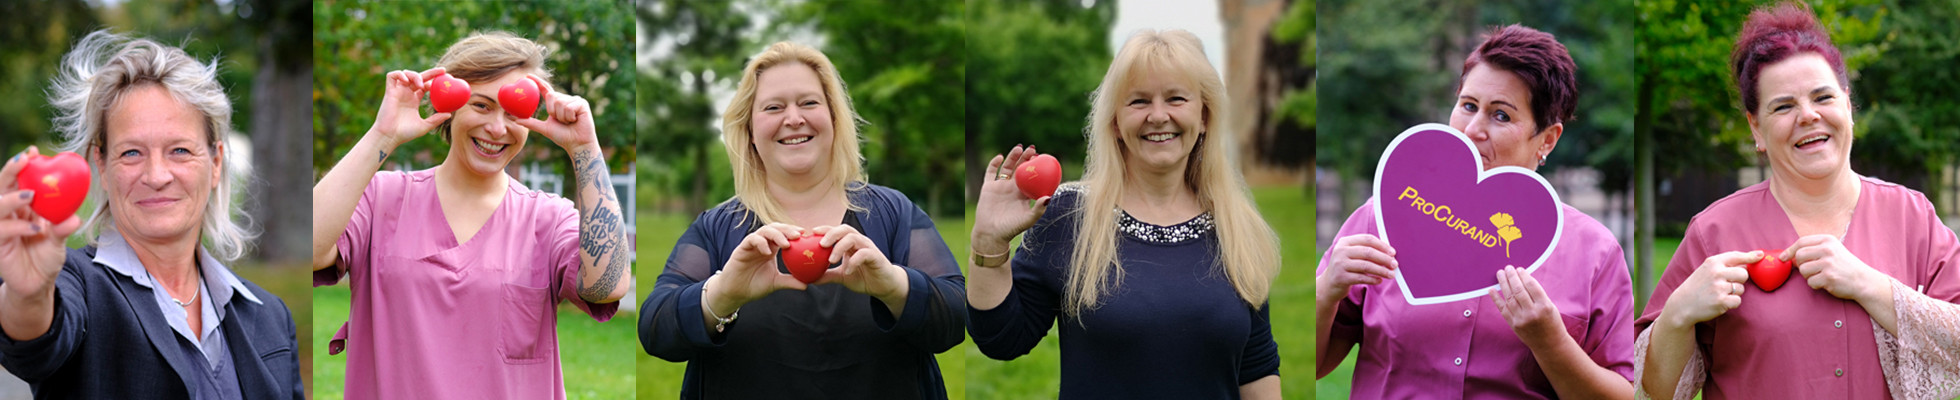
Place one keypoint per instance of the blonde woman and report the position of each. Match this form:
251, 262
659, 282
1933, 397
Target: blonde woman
457, 270
868, 328
1157, 263
147, 309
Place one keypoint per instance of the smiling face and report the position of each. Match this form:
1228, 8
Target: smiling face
483, 138
1494, 109
1159, 119
1804, 120
790, 120
160, 166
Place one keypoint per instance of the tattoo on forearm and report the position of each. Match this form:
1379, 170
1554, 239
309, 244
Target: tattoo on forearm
384, 157
600, 232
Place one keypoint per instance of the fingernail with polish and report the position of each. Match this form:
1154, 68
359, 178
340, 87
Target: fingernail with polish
26, 194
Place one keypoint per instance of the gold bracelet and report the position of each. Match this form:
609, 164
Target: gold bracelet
987, 261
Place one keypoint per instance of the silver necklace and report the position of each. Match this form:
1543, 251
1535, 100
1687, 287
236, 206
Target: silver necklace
180, 303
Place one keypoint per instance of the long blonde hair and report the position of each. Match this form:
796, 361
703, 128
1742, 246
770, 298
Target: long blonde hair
751, 178
1248, 248
101, 69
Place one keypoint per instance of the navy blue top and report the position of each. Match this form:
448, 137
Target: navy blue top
1172, 328
824, 343
109, 340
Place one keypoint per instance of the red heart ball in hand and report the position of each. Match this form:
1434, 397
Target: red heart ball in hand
447, 93
59, 184
1038, 177
520, 98
806, 258
1769, 273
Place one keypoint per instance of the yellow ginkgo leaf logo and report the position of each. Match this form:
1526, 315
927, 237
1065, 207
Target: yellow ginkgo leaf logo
812, 255
1506, 229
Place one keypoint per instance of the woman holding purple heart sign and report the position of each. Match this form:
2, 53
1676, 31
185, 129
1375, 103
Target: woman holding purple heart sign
1563, 331
1869, 312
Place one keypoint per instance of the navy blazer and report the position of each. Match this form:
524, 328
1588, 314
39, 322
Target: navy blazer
110, 341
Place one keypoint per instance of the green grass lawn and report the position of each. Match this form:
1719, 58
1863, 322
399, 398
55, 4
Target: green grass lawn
595, 355
659, 379
1288, 210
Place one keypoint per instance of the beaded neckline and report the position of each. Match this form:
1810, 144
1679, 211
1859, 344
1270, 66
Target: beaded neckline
1184, 231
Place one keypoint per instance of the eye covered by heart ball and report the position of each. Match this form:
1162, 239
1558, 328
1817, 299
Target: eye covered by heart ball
1771, 272
1454, 224
521, 98
59, 184
448, 94
806, 258
1038, 177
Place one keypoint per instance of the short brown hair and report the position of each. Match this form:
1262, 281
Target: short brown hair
1540, 61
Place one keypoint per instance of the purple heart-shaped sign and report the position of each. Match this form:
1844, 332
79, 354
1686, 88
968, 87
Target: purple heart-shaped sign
1454, 224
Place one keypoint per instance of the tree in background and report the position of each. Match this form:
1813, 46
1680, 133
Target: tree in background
689, 49
1034, 65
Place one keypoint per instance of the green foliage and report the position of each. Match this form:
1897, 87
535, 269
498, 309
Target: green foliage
357, 43
1034, 65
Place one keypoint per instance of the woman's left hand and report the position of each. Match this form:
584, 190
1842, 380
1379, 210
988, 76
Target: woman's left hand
864, 268
1827, 265
568, 121
1524, 304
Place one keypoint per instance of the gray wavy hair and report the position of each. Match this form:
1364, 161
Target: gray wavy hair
98, 72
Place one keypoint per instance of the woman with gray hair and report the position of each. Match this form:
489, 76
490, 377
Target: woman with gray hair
148, 308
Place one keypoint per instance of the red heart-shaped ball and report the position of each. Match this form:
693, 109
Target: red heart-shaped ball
806, 258
1038, 177
520, 98
1769, 273
448, 94
59, 184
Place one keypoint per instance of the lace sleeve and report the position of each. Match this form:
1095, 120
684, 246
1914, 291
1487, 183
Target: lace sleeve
1921, 361
1691, 377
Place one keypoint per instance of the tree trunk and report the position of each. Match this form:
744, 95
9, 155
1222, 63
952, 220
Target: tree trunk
282, 146
1643, 188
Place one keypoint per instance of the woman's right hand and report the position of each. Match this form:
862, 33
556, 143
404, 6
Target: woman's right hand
31, 251
400, 118
1361, 259
1003, 211
1712, 290
751, 270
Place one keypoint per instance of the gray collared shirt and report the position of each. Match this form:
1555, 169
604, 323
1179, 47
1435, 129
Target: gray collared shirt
207, 348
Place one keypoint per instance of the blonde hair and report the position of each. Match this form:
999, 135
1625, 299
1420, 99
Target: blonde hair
1248, 249
94, 76
485, 56
751, 178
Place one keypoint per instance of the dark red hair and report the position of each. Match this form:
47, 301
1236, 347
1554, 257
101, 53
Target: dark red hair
1775, 33
1540, 61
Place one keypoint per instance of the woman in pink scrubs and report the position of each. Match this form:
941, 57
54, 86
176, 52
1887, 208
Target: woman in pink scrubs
1564, 331
1868, 311
457, 270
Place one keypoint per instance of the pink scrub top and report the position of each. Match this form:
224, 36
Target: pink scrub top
1797, 342
435, 319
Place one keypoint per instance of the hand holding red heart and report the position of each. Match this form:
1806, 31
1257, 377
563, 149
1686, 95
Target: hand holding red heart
1532, 314
1827, 265
31, 246
400, 118
751, 270
862, 267
1003, 210
1712, 290
569, 118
